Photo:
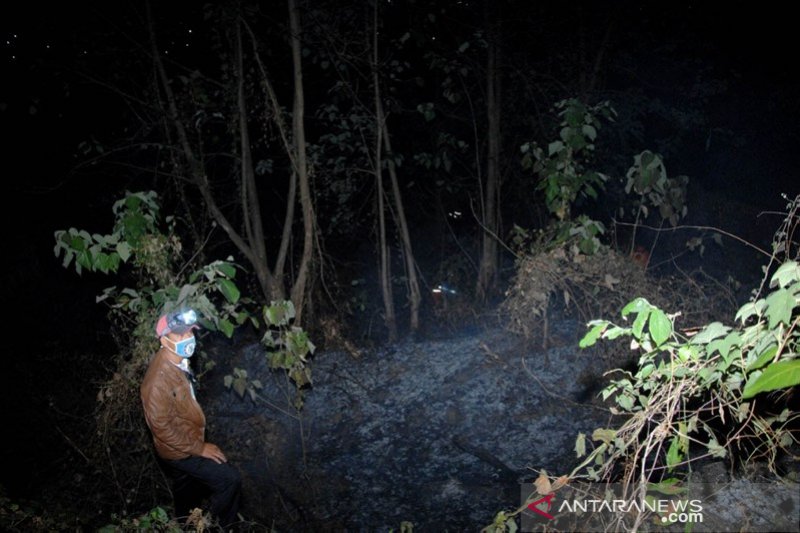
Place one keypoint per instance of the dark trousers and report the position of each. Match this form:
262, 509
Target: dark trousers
195, 478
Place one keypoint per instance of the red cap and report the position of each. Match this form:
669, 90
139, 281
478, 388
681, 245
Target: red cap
175, 323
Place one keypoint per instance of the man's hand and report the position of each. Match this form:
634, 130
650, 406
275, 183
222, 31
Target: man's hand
212, 451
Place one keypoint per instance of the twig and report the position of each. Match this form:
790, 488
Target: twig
74, 446
490, 232
703, 228
199, 249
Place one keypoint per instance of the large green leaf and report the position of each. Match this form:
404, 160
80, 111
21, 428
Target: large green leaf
227, 269
764, 358
226, 327
124, 250
711, 332
638, 324
591, 337
635, 306
779, 307
787, 273
674, 455
776, 376
660, 326
229, 290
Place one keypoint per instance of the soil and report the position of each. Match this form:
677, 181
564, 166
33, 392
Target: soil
436, 433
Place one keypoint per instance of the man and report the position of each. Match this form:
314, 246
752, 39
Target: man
177, 423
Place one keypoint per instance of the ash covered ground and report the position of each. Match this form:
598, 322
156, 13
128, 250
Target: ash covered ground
437, 433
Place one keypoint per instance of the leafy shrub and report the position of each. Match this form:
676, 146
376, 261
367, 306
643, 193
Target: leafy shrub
149, 245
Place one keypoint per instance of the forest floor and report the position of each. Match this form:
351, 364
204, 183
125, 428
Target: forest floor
442, 434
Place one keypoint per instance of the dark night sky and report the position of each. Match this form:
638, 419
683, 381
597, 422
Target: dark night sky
754, 45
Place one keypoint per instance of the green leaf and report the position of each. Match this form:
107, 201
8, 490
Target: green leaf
625, 401
646, 370
715, 449
124, 250
227, 269
660, 326
226, 327
779, 307
776, 376
711, 332
580, 445
240, 386
679, 446
764, 358
186, 291
554, 147
746, 311
591, 337
638, 324
674, 455
229, 290
688, 353
605, 435
787, 273
636, 306
615, 332
723, 346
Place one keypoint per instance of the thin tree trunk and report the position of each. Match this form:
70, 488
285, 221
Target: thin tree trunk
251, 208
414, 295
487, 272
298, 126
385, 263
271, 102
385, 266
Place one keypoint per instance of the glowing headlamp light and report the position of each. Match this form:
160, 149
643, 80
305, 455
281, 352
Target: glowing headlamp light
187, 317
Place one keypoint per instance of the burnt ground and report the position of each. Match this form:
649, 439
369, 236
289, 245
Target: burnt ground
437, 433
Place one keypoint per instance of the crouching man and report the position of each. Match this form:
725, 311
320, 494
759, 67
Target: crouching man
177, 423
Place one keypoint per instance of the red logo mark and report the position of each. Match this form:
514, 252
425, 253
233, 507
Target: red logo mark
549, 500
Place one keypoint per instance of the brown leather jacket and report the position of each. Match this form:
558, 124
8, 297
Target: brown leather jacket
175, 419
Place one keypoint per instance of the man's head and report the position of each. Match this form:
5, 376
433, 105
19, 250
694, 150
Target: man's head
175, 331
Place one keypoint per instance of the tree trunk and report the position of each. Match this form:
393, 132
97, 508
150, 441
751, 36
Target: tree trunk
251, 209
298, 127
385, 262
271, 102
487, 272
414, 296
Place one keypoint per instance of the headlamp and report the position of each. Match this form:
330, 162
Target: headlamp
186, 317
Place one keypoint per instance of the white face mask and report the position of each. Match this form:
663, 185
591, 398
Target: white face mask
184, 348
